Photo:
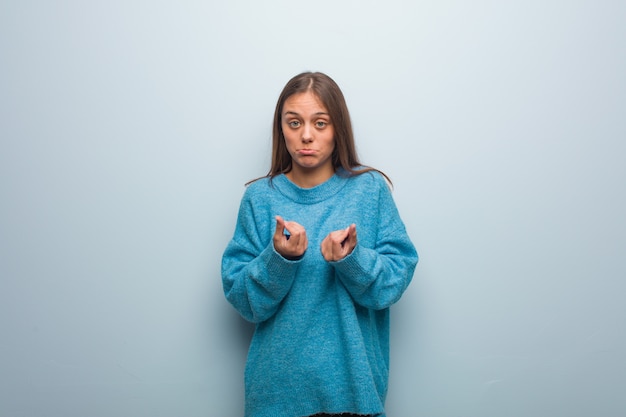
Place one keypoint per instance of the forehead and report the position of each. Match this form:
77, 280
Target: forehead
304, 103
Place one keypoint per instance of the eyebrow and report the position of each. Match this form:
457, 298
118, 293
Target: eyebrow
319, 113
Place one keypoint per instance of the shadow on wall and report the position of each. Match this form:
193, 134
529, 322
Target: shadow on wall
242, 330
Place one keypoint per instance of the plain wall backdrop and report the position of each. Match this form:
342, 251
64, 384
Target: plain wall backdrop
127, 131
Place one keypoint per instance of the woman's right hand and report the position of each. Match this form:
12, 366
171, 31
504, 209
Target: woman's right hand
292, 245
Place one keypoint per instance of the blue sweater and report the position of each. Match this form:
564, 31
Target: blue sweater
321, 342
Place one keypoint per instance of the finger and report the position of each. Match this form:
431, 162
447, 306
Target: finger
279, 234
352, 233
351, 240
298, 240
280, 225
340, 237
303, 243
347, 242
326, 248
294, 229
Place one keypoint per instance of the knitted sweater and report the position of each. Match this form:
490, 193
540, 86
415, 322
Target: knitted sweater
321, 342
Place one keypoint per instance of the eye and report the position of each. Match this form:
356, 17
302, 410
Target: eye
320, 124
294, 124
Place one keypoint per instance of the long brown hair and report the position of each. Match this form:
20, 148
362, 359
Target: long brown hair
330, 95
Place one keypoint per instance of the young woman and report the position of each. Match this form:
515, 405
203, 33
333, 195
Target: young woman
318, 256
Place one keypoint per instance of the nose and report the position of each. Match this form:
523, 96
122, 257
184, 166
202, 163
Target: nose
307, 133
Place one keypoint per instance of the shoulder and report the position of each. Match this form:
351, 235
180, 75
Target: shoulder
371, 180
256, 195
258, 187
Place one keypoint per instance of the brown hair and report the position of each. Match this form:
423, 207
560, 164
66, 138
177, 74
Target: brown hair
330, 95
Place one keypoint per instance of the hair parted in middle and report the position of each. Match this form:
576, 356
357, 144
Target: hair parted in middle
330, 95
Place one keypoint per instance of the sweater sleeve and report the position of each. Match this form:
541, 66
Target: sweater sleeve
255, 277
377, 277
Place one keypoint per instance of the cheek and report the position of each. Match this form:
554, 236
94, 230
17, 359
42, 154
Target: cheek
288, 139
290, 146
332, 143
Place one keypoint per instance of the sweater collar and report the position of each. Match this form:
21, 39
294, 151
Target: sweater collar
312, 195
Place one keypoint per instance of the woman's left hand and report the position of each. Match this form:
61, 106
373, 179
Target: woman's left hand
339, 244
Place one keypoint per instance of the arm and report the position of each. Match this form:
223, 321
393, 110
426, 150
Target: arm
255, 277
377, 277
255, 284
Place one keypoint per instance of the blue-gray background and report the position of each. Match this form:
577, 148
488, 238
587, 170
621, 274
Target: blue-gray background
128, 129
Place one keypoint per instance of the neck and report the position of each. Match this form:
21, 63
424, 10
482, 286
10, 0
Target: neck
310, 179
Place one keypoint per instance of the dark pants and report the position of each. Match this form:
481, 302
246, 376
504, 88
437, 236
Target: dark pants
338, 415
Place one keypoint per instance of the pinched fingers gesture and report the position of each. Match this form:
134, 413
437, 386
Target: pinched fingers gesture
291, 245
339, 244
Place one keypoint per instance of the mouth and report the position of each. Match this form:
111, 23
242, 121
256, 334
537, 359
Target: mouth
306, 152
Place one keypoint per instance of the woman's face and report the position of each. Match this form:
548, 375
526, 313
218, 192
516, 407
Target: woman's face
309, 137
